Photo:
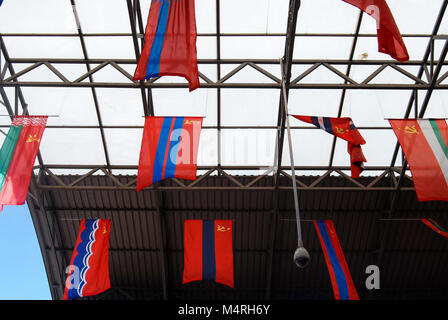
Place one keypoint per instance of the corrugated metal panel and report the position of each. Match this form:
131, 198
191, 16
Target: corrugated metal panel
414, 258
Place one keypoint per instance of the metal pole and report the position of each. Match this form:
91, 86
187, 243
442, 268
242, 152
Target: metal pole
301, 256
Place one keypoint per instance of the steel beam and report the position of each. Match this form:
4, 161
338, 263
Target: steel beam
224, 81
212, 34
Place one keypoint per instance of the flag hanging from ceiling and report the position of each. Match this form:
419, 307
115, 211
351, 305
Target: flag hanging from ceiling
425, 145
208, 252
341, 279
389, 36
344, 129
170, 42
88, 273
17, 157
169, 149
436, 227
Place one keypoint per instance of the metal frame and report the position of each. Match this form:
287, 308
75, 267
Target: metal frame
428, 79
223, 82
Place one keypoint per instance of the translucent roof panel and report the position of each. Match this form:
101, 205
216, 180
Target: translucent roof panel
248, 147
324, 16
249, 107
180, 102
66, 106
103, 16
253, 36
253, 16
310, 148
254, 47
208, 149
205, 20
72, 146
323, 103
120, 107
43, 47
46, 16
110, 47
373, 107
124, 145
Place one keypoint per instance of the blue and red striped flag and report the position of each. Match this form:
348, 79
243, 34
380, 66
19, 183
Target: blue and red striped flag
435, 227
341, 280
343, 128
169, 149
88, 272
170, 42
208, 251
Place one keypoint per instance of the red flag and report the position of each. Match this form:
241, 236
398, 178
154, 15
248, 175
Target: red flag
344, 129
169, 149
17, 157
425, 145
389, 37
208, 252
170, 42
89, 266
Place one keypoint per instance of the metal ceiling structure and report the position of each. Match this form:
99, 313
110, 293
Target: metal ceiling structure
146, 245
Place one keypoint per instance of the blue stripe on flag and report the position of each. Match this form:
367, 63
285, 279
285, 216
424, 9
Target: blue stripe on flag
327, 124
1, 1
208, 250
152, 69
80, 262
352, 126
161, 149
315, 121
174, 147
339, 273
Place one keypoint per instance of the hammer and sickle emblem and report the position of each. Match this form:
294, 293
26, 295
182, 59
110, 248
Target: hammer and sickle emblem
409, 129
222, 228
32, 138
341, 131
190, 122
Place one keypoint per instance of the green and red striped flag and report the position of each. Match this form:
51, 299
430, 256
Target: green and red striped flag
17, 157
425, 145
435, 226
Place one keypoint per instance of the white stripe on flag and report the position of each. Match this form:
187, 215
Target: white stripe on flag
436, 148
321, 122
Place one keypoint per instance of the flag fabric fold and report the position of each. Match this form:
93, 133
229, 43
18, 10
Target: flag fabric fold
208, 251
435, 227
346, 130
170, 42
425, 145
341, 279
17, 157
389, 36
88, 272
169, 149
